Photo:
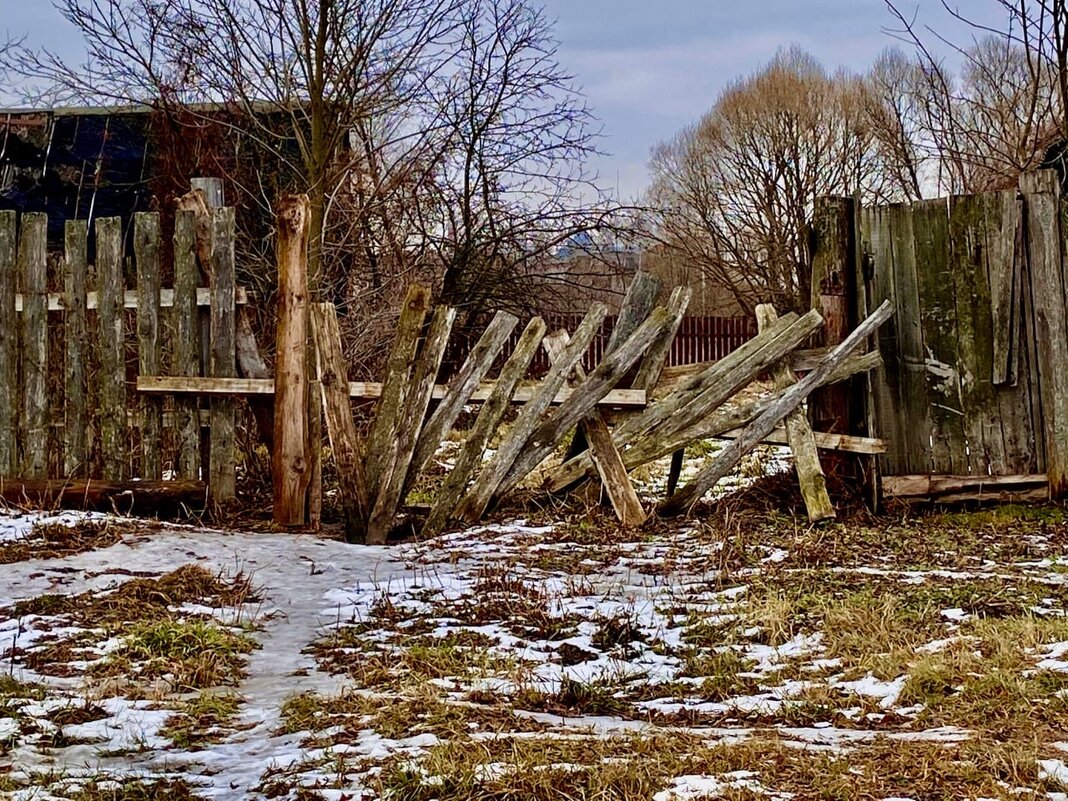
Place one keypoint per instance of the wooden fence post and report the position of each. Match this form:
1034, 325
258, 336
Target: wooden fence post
8, 342
222, 481
33, 261
75, 415
185, 354
111, 377
146, 253
289, 461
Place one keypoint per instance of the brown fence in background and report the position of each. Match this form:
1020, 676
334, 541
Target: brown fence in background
700, 339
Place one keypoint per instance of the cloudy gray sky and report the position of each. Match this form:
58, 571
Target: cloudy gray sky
650, 67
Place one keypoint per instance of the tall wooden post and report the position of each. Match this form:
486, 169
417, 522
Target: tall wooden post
215, 198
111, 376
75, 442
290, 467
8, 343
222, 483
33, 260
832, 291
146, 253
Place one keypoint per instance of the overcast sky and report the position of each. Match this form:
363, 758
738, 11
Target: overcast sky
650, 67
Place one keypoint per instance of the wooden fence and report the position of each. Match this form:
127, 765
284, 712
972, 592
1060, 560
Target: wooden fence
77, 328
975, 376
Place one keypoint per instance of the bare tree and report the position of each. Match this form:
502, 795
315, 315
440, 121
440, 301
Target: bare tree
736, 190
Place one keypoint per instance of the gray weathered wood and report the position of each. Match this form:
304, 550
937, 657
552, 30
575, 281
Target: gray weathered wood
639, 301
478, 498
146, 254
33, 265
603, 452
75, 413
548, 434
652, 364
8, 343
345, 444
250, 364
222, 475
111, 376
489, 417
1051, 332
391, 404
185, 350
462, 387
791, 399
409, 424
806, 458
1001, 213
647, 449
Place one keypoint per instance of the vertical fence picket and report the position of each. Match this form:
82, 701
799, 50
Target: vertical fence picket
75, 461
8, 342
146, 254
185, 353
111, 377
33, 263
222, 478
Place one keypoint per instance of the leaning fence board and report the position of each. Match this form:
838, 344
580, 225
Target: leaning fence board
603, 451
398, 376
409, 422
289, 463
653, 362
146, 254
75, 412
489, 417
130, 301
766, 423
341, 428
8, 342
111, 377
33, 264
478, 498
810, 474
545, 437
173, 385
185, 352
462, 387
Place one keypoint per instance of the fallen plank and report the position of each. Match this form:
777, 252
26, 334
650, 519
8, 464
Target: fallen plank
157, 498
166, 299
807, 465
793, 397
839, 443
195, 385
963, 487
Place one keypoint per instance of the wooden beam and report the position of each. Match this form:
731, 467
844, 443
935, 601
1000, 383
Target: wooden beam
56, 302
157, 498
959, 488
791, 399
364, 390
840, 443
810, 475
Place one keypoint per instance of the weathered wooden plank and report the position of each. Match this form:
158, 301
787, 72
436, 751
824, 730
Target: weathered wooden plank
652, 363
938, 315
1030, 397
222, 470
8, 343
146, 254
462, 388
409, 424
1051, 330
111, 376
772, 416
185, 351
489, 417
398, 378
548, 434
57, 302
639, 301
806, 459
478, 498
951, 489
975, 336
75, 414
603, 452
156, 498
33, 265
824, 441
345, 444
369, 390
289, 461
1001, 214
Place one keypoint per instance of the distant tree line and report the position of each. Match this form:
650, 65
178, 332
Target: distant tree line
733, 193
